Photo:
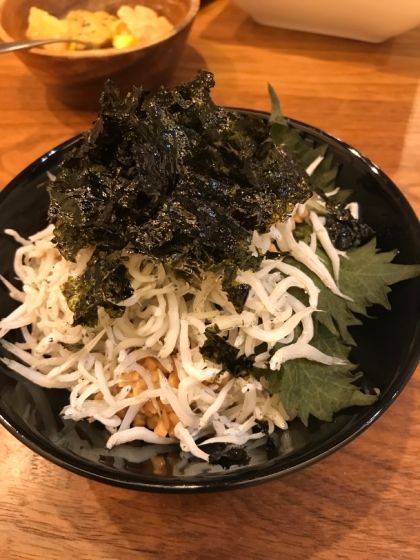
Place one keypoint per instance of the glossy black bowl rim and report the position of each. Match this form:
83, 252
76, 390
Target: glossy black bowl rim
249, 478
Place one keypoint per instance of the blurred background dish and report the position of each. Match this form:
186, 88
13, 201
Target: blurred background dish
366, 20
99, 29
77, 77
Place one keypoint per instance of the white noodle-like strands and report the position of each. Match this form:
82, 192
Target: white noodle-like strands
306, 256
103, 385
184, 388
276, 334
229, 322
185, 415
19, 353
249, 278
284, 285
15, 235
235, 440
274, 415
13, 291
217, 403
188, 443
76, 356
302, 350
250, 402
133, 434
185, 352
307, 321
129, 417
353, 208
309, 284
174, 327
324, 239
166, 319
34, 375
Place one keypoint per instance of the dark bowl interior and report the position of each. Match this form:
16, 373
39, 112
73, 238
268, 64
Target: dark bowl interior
388, 350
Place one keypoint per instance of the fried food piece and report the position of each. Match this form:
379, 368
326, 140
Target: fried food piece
42, 25
144, 23
92, 27
101, 29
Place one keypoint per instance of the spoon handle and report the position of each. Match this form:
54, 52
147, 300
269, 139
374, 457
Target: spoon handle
29, 44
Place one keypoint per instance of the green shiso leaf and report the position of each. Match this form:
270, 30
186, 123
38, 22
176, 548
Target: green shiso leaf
325, 174
312, 388
341, 196
276, 115
365, 276
367, 273
309, 387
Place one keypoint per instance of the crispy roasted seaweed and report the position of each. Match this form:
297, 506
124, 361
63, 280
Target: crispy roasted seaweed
175, 177
260, 426
72, 347
238, 295
218, 350
229, 455
271, 448
346, 232
104, 283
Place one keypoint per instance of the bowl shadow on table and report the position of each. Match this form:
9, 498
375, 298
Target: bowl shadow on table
373, 65
33, 93
187, 67
302, 516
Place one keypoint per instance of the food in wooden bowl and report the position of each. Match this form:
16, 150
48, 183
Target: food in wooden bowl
100, 29
76, 77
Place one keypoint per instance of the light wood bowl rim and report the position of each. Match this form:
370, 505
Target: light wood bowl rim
104, 53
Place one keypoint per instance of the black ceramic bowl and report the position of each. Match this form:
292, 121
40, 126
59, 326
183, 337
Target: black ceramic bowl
388, 350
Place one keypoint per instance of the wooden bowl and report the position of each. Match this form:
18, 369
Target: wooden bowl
77, 77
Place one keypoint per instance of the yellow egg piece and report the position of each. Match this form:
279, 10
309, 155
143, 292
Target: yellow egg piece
123, 41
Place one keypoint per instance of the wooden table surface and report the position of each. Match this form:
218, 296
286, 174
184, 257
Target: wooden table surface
361, 503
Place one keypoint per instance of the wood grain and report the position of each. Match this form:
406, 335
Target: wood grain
361, 503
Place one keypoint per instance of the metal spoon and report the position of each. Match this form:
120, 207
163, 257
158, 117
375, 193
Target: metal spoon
29, 44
